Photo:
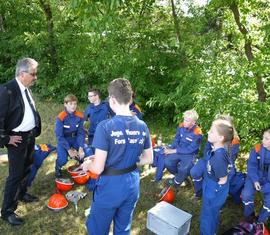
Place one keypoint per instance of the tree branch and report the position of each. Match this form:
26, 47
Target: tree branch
52, 49
236, 14
248, 51
176, 22
2, 23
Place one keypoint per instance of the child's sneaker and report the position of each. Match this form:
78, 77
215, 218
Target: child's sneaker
184, 184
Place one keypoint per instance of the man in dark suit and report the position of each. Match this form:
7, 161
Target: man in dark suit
19, 125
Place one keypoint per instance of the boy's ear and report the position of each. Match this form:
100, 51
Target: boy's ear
114, 100
221, 138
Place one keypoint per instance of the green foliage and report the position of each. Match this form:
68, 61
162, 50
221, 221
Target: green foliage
229, 86
206, 68
97, 41
17, 37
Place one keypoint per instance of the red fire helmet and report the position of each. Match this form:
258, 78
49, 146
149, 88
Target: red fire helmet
81, 178
92, 175
167, 194
74, 170
265, 231
57, 202
64, 184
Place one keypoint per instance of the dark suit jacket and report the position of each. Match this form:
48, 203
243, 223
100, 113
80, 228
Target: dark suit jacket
11, 110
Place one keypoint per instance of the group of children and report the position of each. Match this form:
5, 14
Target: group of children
69, 127
214, 175
119, 140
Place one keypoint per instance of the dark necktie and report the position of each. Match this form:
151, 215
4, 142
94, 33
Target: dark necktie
31, 106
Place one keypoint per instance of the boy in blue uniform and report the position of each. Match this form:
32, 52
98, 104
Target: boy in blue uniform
95, 112
216, 182
42, 151
134, 108
69, 133
120, 143
180, 156
197, 171
258, 179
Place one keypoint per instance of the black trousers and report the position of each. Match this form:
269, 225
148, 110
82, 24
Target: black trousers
20, 160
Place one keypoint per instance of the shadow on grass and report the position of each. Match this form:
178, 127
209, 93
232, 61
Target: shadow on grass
40, 220
230, 216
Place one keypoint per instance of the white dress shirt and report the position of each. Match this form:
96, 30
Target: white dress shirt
28, 121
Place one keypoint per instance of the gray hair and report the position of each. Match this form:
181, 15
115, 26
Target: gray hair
24, 64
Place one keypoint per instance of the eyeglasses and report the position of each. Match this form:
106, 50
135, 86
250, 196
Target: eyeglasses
32, 74
90, 96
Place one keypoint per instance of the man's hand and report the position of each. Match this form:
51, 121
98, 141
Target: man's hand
14, 140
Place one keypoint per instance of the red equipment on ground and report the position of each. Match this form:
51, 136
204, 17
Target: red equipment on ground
167, 194
57, 202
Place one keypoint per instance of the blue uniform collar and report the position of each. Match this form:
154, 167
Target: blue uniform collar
69, 114
262, 154
210, 153
192, 128
221, 149
97, 107
132, 104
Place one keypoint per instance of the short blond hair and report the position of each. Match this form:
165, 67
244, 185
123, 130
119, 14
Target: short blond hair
70, 98
192, 114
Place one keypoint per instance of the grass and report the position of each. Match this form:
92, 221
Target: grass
40, 220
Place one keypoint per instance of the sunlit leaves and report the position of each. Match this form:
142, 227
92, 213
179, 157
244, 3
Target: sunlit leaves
97, 41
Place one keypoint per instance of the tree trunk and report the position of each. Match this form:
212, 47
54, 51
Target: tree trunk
176, 22
2, 23
51, 46
248, 51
